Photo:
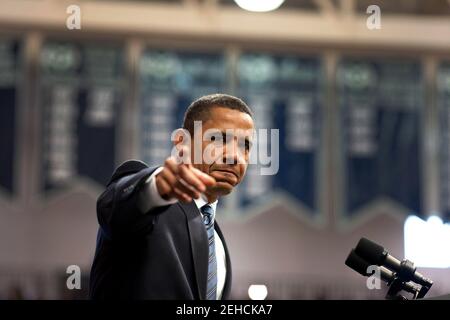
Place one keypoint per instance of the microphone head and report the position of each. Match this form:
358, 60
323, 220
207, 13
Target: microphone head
370, 251
357, 263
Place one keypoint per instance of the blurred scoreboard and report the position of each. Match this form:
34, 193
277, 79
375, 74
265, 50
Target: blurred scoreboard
285, 94
81, 90
10, 79
443, 102
382, 103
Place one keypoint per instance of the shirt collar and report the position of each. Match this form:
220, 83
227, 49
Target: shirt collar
200, 202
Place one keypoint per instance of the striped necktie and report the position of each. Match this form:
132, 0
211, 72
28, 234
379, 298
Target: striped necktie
208, 220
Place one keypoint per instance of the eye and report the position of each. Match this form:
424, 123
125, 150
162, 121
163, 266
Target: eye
225, 138
216, 138
247, 145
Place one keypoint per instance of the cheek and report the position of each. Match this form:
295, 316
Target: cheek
202, 167
243, 170
210, 153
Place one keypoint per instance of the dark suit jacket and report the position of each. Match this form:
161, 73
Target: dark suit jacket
161, 254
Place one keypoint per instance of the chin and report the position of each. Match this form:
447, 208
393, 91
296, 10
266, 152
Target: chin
223, 188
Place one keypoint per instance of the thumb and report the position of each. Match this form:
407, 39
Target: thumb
205, 178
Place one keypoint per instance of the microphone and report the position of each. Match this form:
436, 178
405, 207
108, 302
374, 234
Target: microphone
375, 254
360, 265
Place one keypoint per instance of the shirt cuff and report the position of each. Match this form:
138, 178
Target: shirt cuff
149, 196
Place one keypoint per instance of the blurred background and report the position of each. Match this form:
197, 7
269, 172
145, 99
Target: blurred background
363, 116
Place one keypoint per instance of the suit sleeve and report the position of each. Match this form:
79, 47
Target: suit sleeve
149, 196
118, 211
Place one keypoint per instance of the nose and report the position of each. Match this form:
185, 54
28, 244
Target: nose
232, 154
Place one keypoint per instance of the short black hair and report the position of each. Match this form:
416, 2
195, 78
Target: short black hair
199, 109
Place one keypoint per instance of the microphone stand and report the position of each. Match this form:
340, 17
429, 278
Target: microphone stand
404, 275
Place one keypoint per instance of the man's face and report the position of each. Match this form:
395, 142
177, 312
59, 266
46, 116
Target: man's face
226, 142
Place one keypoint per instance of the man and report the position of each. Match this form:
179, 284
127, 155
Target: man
158, 238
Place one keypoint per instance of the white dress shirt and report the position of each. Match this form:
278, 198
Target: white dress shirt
150, 198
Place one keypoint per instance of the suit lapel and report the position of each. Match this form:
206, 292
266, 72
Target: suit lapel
227, 287
199, 245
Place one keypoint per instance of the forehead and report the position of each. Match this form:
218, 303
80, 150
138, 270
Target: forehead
225, 118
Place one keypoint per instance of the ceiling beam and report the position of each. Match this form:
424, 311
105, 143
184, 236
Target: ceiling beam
191, 3
228, 24
326, 7
348, 8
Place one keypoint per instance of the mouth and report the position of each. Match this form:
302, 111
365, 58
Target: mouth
228, 172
